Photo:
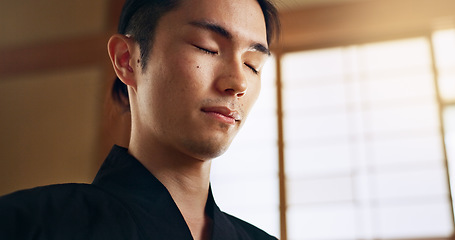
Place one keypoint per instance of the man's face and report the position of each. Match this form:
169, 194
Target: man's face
202, 77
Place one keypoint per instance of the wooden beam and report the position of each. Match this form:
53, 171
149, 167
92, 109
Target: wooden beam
281, 159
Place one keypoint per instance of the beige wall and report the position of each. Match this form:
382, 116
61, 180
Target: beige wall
30, 21
50, 119
49, 128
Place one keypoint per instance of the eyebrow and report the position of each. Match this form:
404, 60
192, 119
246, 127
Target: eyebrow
226, 34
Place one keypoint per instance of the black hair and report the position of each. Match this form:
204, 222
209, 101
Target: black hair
139, 19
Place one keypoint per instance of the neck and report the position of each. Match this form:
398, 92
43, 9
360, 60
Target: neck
186, 179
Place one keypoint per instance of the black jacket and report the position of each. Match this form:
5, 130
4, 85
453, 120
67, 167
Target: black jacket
125, 201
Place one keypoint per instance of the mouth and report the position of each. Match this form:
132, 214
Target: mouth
223, 114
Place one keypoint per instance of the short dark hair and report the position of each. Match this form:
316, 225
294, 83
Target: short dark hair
139, 19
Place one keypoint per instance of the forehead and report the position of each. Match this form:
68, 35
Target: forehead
242, 18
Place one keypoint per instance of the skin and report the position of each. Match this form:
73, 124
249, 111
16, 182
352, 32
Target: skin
202, 78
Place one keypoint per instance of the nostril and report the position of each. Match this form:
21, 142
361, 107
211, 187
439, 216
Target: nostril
232, 92
229, 91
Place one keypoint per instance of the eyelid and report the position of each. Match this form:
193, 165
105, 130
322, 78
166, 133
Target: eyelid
206, 50
254, 70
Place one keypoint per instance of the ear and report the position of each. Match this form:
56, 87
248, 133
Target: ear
121, 51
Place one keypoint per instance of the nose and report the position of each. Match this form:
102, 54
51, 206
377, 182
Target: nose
232, 81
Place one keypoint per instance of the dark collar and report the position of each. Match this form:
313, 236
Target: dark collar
149, 201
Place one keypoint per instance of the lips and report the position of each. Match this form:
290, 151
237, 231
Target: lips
224, 111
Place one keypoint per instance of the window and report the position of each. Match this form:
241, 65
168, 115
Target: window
363, 147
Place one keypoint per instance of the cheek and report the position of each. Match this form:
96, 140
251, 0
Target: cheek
177, 77
193, 72
181, 84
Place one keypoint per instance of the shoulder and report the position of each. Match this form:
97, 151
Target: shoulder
51, 197
60, 211
249, 230
42, 195
57, 189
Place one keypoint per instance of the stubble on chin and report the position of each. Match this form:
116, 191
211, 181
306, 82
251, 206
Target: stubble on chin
207, 149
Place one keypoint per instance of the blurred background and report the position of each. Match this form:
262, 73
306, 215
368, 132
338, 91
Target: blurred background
353, 136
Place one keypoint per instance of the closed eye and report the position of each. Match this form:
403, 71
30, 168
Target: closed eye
206, 50
252, 68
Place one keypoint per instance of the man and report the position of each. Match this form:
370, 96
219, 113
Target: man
192, 71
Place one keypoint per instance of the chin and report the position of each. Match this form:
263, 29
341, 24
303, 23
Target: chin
207, 150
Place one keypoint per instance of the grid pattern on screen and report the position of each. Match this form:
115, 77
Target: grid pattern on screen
363, 149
